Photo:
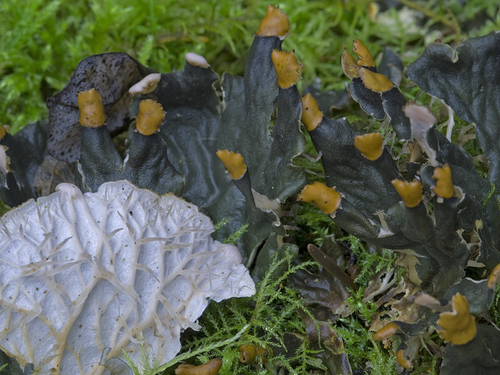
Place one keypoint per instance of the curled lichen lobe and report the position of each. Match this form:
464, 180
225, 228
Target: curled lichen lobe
91, 109
327, 199
274, 23
150, 117
410, 192
287, 68
459, 325
311, 115
234, 163
370, 145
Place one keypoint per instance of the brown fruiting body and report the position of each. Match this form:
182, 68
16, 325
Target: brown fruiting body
444, 183
247, 354
386, 332
370, 145
287, 68
2, 131
375, 81
494, 278
459, 325
210, 368
91, 109
311, 115
349, 65
405, 363
373, 9
327, 199
234, 163
365, 57
150, 117
410, 192
274, 23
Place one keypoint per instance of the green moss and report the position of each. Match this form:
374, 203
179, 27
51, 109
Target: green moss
371, 262
3, 208
363, 352
43, 43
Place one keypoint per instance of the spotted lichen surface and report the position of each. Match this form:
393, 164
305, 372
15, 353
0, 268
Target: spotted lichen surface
82, 276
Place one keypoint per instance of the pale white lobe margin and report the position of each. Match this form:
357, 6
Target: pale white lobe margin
196, 60
146, 85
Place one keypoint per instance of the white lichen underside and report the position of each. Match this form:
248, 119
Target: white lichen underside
80, 273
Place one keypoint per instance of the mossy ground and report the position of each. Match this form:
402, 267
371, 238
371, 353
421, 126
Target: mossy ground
42, 43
